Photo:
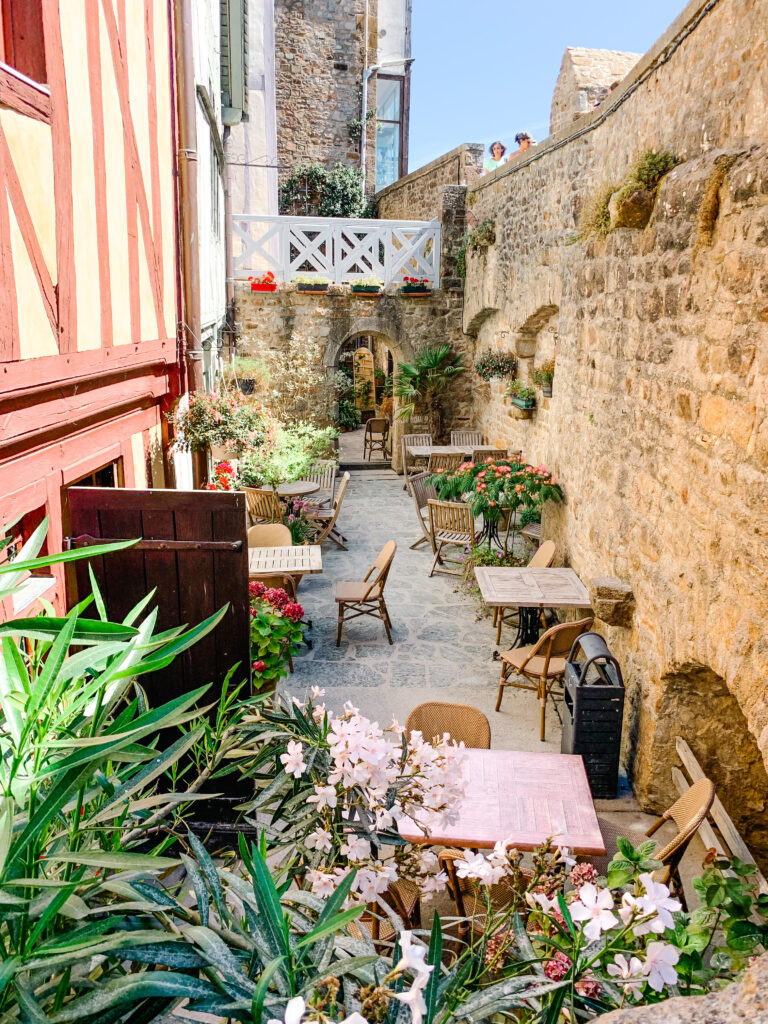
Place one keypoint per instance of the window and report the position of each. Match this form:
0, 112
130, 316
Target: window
389, 135
21, 37
215, 204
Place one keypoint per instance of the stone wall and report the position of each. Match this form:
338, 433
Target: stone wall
657, 428
266, 321
419, 195
585, 80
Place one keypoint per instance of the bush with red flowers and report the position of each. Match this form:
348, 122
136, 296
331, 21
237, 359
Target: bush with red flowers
223, 478
275, 632
494, 485
415, 284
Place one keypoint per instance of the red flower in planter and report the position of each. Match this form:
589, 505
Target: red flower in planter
259, 666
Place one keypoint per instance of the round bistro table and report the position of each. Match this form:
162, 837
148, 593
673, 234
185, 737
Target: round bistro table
297, 489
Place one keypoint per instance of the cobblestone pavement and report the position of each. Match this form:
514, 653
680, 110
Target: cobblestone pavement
440, 652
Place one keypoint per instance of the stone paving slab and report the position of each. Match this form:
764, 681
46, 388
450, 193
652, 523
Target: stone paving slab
440, 651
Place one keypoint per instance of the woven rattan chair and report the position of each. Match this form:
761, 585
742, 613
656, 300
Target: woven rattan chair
367, 596
469, 894
409, 468
421, 492
323, 473
375, 437
269, 535
466, 439
446, 462
450, 523
263, 506
542, 558
325, 518
464, 723
402, 896
541, 665
688, 813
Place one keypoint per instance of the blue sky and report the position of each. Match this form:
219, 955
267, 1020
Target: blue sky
485, 69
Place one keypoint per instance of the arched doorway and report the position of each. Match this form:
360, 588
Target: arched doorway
363, 384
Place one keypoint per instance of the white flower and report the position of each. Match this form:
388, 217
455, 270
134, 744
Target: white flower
656, 901
294, 1011
412, 958
315, 692
660, 960
414, 998
318, 711
293, 759
481, 869
432, 884
594, 906
427, 861
540, 901
325, 796
356, 848
629, 907
630, 973
321, 883
565, 855
320, 839
355, 1018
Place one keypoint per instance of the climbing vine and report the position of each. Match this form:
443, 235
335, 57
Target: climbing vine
312, 190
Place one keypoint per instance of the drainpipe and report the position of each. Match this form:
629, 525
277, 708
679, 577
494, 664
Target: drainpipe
190, 257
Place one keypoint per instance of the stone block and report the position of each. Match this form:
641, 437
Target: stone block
613, 601
727, 418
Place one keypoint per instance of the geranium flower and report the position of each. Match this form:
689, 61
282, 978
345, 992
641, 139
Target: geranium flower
659, 966
594, 906
557, 968
293, 759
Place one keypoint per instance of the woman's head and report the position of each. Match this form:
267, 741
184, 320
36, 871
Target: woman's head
524, 140
497, 150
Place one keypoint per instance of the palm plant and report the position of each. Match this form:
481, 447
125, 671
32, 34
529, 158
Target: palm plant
423, 383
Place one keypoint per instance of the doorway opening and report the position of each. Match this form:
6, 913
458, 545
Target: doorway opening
365, 371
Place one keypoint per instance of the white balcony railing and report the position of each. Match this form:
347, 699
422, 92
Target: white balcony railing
337, 249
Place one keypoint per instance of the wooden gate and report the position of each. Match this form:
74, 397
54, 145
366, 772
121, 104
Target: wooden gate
193, 550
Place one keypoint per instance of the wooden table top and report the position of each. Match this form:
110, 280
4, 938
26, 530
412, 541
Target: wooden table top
298, 560
297, 488
521, 796
509, 587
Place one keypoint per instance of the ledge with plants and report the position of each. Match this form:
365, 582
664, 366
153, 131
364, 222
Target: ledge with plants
480, 238
366, 286
416, 286
543, 376
522, 395
495, 365
311, 285
264, 283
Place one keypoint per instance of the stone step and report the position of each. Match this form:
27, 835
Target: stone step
354, 464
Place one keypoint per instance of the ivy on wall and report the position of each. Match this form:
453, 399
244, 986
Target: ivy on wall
312, 190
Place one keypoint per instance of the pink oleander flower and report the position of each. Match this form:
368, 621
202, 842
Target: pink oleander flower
594, 906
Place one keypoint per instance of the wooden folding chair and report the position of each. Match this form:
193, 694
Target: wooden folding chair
375, 437
367, 596
421, 492
448, 463
542, 558
326, 518
323, 473
406, 441
542, 664
484, 454
466, 439
450, 523
263, 505
462, 722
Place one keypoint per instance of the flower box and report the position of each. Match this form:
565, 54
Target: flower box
546, 390
269, 287
524, 403
366, 289
312, 289
413, 289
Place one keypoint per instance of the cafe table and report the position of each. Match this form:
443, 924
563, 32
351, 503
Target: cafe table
423, 451
297, 560
523, 798
530, 590
297, 488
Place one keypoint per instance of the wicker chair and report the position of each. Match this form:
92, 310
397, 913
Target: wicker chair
446, 462
542, 664
326, 518
375, 437
269, 535
323, 473
406, 441
466, 439
367, 596
469, 896
688, 813
452, 523
263, 506
542, 558
421, 492
403, 897
464, 723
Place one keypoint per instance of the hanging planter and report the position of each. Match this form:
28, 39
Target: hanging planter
524, 403
543, 376
265, 283
311, 285
415, 286
521, 395
546, 390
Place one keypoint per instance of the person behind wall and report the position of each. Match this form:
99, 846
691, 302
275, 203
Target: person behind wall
496, 159
524, 141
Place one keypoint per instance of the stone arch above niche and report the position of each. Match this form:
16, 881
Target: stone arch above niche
379, 327
473, 327
696, 704
526, 338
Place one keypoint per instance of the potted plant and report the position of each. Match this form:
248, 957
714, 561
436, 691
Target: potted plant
490, 365
415, 286
311, 285
544, 375
247, 371
275, 633
420, 385
264, 283
366, 286
522, 395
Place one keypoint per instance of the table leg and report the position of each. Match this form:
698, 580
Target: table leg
490, 534
529, 624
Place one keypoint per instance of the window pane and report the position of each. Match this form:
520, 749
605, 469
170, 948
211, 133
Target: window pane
387, 154
388, 99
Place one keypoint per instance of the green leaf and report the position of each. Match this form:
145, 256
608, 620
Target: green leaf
267, 898
210, 872
260, 994
201, 891
17, 565
87, 631
221, 957
335, 924
435, 958
120, 861
132, 988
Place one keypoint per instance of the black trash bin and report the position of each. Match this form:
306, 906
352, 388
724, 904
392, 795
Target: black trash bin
593, 708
